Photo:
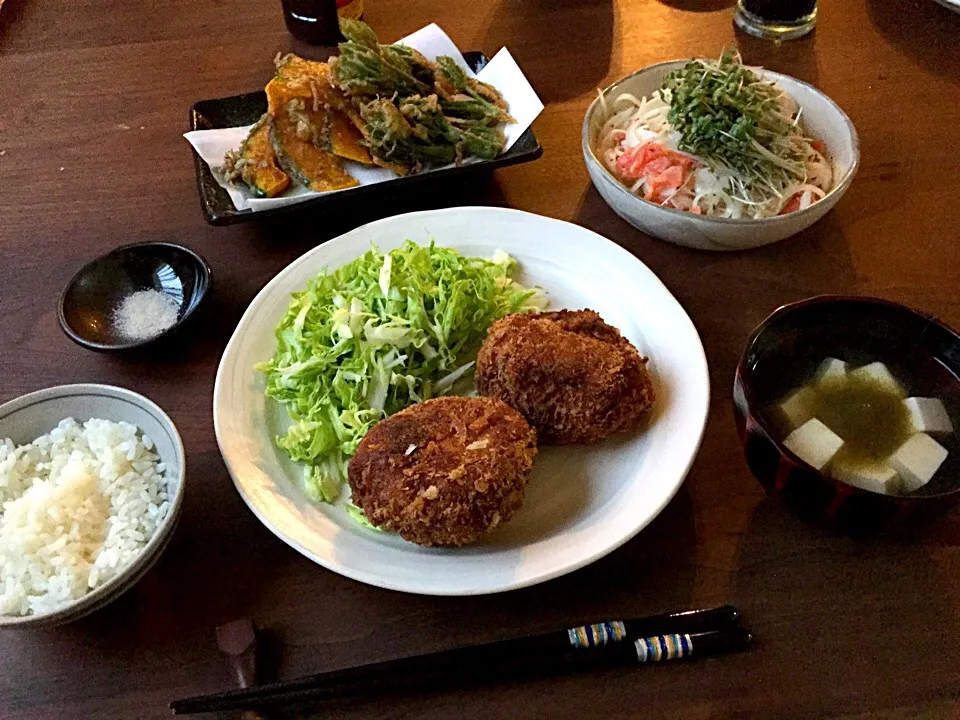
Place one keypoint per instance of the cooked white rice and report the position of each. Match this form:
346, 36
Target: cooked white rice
78, 504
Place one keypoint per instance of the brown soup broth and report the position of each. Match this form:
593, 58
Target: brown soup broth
919, 373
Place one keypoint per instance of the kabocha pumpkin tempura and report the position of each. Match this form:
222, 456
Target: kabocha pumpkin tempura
374, 104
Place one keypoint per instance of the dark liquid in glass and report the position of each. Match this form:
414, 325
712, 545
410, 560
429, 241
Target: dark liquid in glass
780, 10
313, 21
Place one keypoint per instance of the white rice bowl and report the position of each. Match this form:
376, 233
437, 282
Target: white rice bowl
77, 506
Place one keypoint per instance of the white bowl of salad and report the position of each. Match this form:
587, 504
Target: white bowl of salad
716, 155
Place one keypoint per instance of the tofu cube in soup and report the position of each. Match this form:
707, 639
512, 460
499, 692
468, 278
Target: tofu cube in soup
878, 373
796, 408
928, 415
876, 478
917, 460
814, 443
831, 372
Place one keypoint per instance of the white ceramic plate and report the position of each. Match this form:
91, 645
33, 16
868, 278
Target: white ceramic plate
582, 502
952, 4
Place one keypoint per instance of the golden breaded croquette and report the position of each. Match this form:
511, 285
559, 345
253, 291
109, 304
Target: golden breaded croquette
572, 376
444, 471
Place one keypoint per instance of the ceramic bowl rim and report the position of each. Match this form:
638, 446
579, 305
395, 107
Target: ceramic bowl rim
119, 583
204, 281
750, 399
834, 193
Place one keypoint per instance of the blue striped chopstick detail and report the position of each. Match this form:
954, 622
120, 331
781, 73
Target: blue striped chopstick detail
663, 647
586, 636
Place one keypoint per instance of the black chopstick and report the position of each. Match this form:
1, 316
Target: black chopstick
643, 650
564, 651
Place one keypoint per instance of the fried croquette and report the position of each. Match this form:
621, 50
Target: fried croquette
572, 376
444, 471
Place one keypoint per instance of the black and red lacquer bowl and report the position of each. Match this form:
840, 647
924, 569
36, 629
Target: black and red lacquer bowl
783, 352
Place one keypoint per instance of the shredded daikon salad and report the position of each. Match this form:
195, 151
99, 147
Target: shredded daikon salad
715, 139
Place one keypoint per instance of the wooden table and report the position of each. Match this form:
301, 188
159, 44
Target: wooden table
95, 98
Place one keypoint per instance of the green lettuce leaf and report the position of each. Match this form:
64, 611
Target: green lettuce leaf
374, 336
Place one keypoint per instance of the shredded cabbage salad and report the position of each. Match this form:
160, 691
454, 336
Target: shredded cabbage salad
376, 335
716, 140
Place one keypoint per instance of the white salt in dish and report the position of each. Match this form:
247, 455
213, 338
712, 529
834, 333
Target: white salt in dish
144, 314
135, 295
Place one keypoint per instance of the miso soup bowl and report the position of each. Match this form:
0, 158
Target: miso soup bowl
777, 358
823, 119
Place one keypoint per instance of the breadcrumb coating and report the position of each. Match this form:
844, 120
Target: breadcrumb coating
573, 377
444, 471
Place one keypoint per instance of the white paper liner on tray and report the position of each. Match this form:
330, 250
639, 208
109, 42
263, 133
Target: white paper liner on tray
502, 72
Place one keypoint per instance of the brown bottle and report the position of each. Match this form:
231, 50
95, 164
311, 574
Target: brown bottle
313, 21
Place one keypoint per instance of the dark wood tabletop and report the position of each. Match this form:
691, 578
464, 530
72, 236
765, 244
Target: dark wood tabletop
95, 98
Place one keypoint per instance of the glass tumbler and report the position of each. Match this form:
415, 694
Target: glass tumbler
776, 19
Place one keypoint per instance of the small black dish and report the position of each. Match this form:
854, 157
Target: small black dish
91, 297
239, 110
782, 354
